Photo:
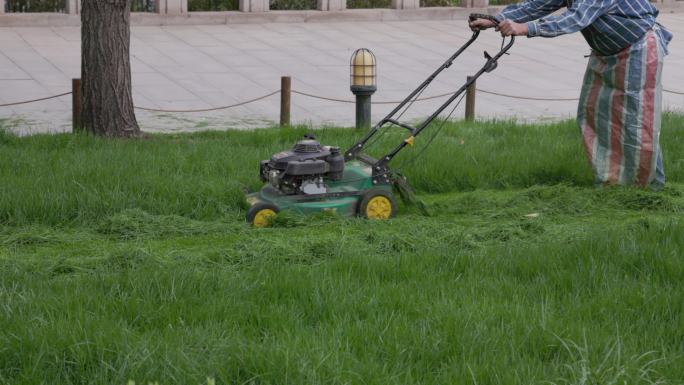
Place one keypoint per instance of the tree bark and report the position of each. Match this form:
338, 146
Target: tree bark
106, 69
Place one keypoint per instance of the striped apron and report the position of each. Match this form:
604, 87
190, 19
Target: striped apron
620, 113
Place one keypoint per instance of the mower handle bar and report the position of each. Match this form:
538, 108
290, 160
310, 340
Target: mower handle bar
380, 167
475, 16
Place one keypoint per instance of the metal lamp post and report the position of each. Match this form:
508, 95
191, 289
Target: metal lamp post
363, 81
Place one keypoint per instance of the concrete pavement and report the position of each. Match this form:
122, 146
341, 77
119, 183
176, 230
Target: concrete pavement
187, 67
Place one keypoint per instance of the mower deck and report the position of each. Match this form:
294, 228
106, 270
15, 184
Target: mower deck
343, 196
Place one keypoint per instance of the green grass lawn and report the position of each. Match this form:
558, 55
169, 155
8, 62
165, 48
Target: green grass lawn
130, 260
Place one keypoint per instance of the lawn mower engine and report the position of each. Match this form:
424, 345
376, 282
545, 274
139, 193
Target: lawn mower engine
304, 169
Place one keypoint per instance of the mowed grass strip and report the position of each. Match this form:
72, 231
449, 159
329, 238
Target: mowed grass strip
129, 260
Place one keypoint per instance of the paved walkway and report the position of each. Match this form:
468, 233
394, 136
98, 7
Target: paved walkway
187, 67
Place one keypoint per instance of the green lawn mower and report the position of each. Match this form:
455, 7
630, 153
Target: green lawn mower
312, 178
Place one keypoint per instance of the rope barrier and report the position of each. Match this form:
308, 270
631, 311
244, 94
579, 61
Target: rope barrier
323, 98
215, 108
152, 109
529, 97
451, 93
35, 100
382, 102
439, 96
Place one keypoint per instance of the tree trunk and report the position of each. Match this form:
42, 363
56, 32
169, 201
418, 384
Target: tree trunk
106, 69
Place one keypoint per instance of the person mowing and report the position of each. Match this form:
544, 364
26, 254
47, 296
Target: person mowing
620, 105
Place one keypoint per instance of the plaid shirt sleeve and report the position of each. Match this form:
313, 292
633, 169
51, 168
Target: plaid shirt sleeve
529, 10
579, 16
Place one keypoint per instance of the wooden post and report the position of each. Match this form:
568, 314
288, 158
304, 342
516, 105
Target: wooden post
470, 100
285, 96
76, 105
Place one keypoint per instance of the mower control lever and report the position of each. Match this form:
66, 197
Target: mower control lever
491, 63
403, 125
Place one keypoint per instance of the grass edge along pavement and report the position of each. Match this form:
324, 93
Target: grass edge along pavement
509, 281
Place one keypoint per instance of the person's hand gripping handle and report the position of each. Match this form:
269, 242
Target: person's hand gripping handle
479, 22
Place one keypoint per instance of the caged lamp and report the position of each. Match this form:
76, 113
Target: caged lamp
363, 83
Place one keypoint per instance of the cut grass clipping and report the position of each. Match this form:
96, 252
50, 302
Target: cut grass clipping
129, 261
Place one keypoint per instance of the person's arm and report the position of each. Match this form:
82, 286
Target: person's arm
529, 10
579, 16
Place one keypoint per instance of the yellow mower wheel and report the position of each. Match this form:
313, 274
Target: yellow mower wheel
378, 204
262, 214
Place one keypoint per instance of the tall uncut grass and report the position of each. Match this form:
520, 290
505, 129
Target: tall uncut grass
75, 178
129, 261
